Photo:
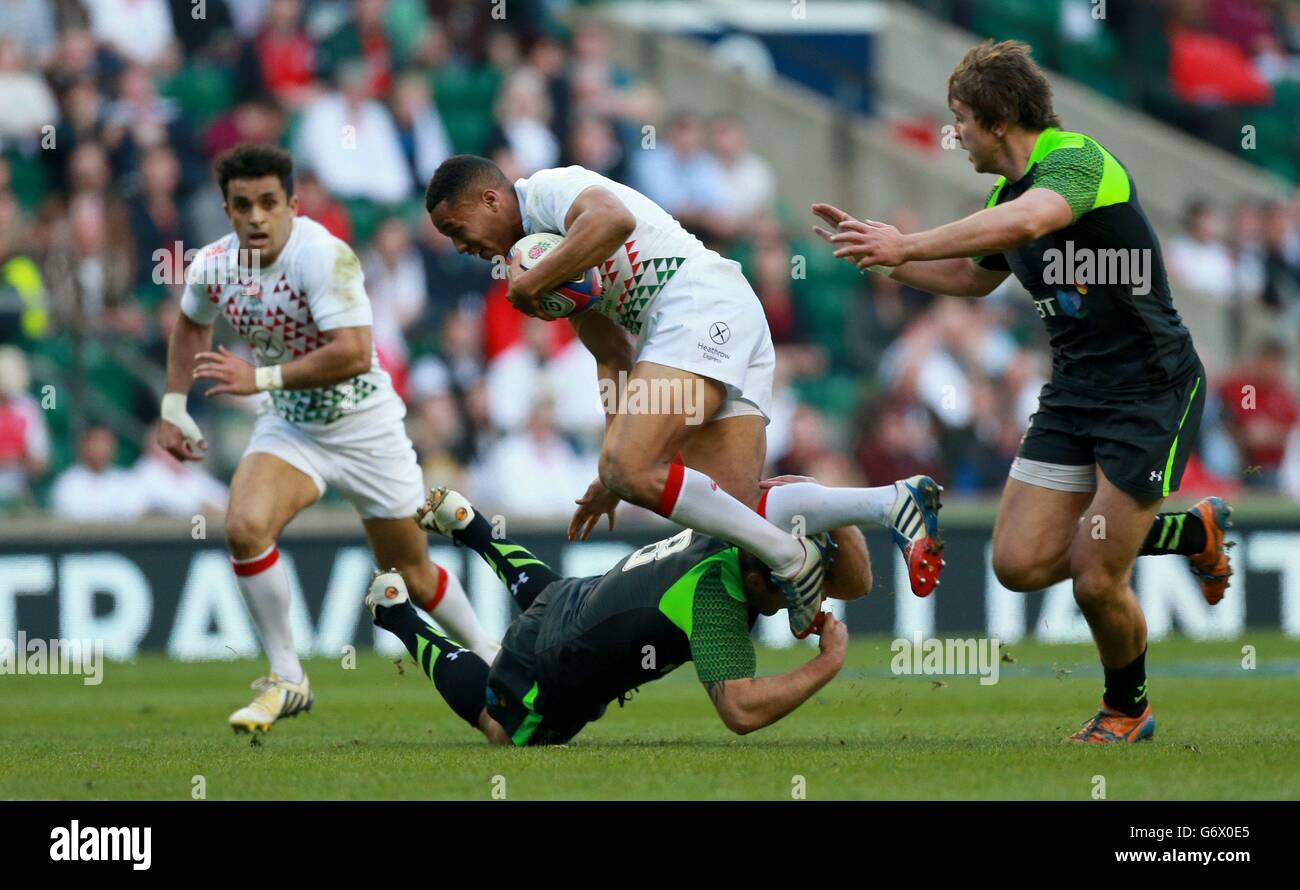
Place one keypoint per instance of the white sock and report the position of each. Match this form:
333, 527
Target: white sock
265, 586
823, 508
455, 615
701, 505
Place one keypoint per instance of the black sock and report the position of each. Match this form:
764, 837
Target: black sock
1126, 687
519, 570
1182, 533
459, 675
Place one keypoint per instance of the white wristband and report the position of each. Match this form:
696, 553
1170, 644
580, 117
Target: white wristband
880, 270
173, 411
269, 377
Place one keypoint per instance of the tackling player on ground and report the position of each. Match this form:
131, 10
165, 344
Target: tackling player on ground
295, 294
582, 643
1116, 423
674, 316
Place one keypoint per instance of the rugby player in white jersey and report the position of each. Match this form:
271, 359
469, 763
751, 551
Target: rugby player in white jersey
674, 316
295, 294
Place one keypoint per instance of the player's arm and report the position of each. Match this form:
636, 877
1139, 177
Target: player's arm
178, 434
749, 703
595, 225
992, 230
346, 354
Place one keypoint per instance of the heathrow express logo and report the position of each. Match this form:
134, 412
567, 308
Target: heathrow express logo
719, 333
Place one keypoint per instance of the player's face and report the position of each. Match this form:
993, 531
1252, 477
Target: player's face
480, 225
261, 215
981, 145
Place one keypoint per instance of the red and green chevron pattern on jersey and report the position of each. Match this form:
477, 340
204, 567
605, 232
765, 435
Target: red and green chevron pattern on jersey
324, 404
625, 302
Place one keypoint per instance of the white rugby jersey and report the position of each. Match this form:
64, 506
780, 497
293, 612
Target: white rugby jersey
637, 272
281, 310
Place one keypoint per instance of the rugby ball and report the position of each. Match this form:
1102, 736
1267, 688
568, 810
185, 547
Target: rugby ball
571, 297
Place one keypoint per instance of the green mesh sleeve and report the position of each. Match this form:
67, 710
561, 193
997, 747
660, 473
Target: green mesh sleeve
1074, 174
720, 643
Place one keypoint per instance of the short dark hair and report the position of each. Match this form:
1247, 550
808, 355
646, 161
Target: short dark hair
1003, 85
252, 161
457, 175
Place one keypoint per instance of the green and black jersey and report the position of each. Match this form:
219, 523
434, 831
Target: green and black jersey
1099, 284
585, 642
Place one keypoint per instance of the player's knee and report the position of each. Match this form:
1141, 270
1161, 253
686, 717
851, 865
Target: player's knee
1015, 570
1094, 585
626, 476
248, 535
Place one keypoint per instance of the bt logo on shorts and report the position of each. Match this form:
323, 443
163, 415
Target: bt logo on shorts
1157, 476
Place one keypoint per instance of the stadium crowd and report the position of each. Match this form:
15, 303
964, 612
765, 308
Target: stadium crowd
112, 110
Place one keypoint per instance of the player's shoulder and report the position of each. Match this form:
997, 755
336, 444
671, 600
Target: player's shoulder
314, 250
1068, 145
215, 262
312, 240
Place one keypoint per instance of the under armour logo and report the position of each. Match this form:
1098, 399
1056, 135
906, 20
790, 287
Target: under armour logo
523, 579
719, 333
1157, 475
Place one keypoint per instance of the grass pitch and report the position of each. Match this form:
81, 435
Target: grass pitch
378, 732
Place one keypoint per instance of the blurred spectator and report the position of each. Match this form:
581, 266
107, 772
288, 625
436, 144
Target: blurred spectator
89, 267
1246, 244
898, 442
156, 221
137, 30
1198, 258
24, 437
523, 115
395, 282
350, 141
810, 452
451, 279
316, 203
462, 348
440, 432
26, 98
31, 24
93, 489
681, 177
556, 473
1261, 410
138, 119
593, 144
1282, 259
533, 367
172, 488
23, 311
601, 87
361, 38
423, 136
286, 53
748, 184
259, 119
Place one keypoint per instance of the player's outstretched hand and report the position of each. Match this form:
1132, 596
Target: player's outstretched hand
832, 216
834, 639
232, 373
597, 502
